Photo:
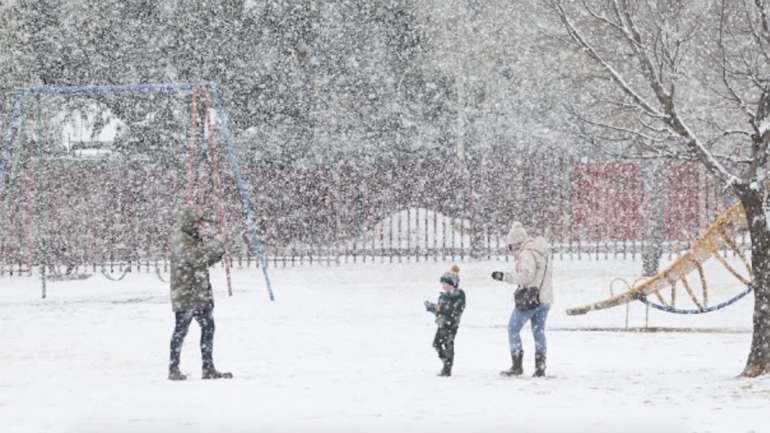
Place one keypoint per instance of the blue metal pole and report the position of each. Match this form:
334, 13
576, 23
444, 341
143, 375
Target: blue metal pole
250, 218
10, 134
669, 309
111, 89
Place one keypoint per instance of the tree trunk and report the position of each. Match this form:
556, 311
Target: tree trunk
758, 362
653, 250
474, 204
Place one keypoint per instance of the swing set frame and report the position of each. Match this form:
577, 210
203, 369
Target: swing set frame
209, 93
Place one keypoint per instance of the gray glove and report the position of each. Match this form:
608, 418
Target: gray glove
430, 307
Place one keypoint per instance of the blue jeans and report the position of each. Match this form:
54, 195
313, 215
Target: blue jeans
519, 319
206, 321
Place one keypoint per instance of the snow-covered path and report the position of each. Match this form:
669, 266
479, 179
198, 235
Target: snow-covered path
348, 349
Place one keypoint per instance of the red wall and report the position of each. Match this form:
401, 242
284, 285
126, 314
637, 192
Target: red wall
609, 202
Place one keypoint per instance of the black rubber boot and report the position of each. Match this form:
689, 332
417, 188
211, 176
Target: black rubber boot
175, 374
446, 371
212, 373
539, 365
516, 369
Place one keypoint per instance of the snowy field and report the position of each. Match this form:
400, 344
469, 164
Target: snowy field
348, 349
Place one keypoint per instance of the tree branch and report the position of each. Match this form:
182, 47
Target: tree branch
591, 51
669, 114
724, 64
763, 17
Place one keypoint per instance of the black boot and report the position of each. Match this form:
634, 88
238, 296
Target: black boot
539, 365
446, 371
515, 369
212, 373
175, 374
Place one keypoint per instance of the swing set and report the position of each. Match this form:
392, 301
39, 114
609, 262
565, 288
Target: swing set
27, 227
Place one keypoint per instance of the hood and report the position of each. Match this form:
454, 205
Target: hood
187, 219
517, 234
539, 244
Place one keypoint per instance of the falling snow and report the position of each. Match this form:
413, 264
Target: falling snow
336, 157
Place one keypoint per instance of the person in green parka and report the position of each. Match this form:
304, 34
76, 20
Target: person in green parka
191, 294
448, 311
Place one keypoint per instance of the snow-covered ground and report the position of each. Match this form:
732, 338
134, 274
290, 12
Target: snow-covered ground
348, 349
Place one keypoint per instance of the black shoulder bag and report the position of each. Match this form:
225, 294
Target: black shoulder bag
527, 298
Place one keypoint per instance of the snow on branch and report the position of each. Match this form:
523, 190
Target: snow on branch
576, 35
667, 113
762, 9
724, 66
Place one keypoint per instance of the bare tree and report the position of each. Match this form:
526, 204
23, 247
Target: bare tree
689, 82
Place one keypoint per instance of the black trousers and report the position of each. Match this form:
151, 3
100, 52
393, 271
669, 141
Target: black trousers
206, 321
444, 343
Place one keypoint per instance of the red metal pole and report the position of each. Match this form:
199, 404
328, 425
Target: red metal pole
191, 151
30, 197
218, 187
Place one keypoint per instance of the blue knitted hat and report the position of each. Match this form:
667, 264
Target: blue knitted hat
451, 277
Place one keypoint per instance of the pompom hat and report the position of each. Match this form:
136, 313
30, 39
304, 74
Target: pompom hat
451, 277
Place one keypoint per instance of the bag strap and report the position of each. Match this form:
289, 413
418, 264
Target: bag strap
545, 270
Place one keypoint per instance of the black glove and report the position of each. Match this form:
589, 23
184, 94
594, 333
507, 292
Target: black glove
497, 275
430, 307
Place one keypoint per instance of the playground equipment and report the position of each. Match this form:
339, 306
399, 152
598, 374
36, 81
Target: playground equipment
28, 204
718, 235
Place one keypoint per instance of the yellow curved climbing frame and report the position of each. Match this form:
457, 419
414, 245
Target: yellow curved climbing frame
716, 237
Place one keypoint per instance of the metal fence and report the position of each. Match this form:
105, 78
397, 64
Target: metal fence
117, 214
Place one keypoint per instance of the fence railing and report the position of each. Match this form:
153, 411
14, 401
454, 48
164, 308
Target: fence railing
344, 255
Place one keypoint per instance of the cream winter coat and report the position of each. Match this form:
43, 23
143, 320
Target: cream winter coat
531, 263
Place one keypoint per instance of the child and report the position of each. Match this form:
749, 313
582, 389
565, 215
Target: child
448, 310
